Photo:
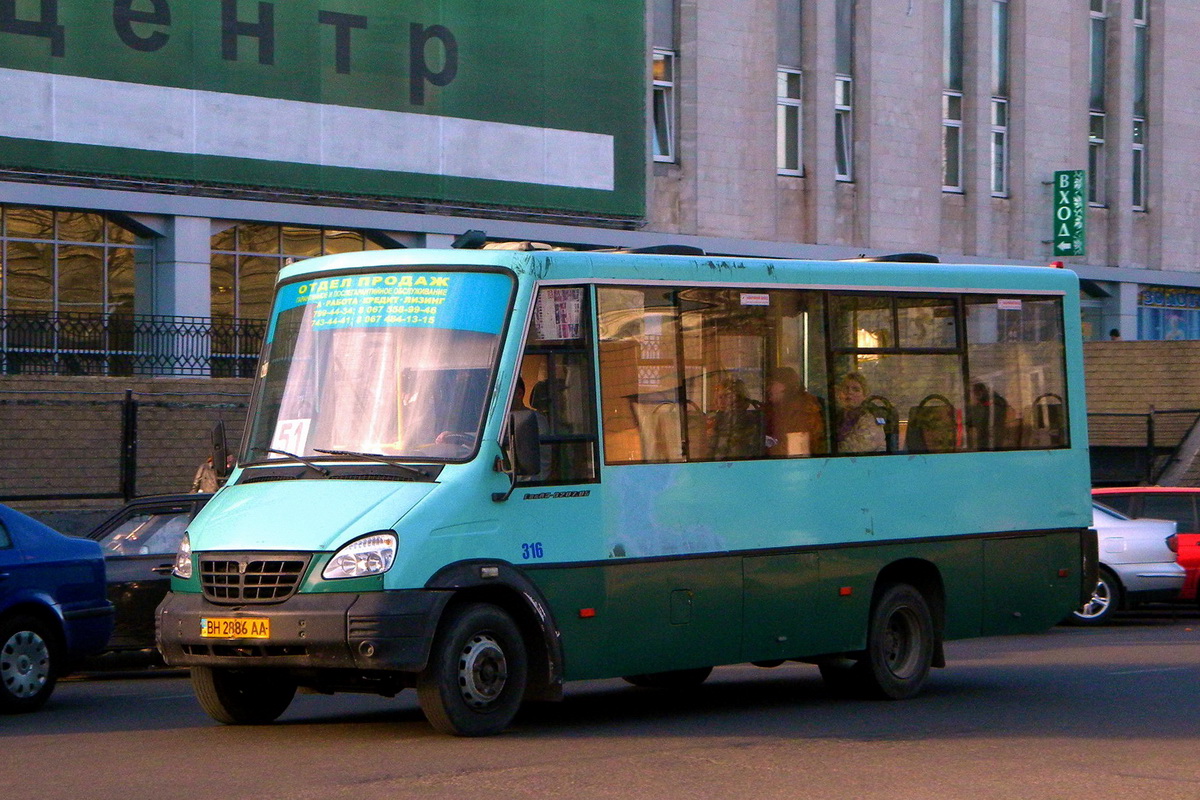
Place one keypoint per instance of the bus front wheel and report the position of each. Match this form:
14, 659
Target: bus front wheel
242, 697
477, 671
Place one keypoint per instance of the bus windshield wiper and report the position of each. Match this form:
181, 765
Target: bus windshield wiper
301, 459
414, 471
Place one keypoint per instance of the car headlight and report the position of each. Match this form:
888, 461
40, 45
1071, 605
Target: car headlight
183, 559
372, 554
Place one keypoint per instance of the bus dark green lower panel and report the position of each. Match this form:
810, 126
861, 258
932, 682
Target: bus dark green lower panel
634, 617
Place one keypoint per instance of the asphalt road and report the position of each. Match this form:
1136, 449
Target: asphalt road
1073, 713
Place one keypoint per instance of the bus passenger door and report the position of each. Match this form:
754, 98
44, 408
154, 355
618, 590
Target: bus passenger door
552, 518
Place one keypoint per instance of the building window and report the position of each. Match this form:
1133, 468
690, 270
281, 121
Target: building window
952, 96
1140, 75
1095, 190
664, 105
788, 124
247, 257
1000, 107
843, 99
789, 90
1168, 312
999, 147
1096, 104
67, 262
952, 141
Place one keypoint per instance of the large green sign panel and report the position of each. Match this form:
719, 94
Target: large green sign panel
1070, 212
533, 104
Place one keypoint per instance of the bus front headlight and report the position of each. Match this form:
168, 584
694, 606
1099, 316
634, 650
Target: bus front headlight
183, 558
372, 554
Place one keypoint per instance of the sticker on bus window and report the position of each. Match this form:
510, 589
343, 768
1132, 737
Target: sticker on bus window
453, 301
290, 435
1008, 304
749, 299
558, 314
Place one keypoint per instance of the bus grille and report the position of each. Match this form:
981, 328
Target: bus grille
234, 578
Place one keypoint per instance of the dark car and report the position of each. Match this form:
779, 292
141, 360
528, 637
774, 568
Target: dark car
53, 609
139, 543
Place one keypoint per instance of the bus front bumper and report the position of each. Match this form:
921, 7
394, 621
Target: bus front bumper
389, 631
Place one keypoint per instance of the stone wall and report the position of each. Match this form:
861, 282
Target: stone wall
63, 435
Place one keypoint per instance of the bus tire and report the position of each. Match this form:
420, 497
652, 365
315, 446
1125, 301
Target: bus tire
674, 679
900, 642
242, 697
1104, 602
28, 664
477, 672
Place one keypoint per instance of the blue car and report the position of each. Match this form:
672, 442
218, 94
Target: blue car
54, 608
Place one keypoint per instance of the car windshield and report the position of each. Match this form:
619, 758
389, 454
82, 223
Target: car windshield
150, 533
392, 363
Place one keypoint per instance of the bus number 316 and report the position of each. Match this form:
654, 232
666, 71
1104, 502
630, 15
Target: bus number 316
532, 550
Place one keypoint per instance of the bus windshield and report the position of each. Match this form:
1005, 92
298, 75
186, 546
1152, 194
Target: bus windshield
392, 363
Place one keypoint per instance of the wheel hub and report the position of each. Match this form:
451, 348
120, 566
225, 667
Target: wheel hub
24, 664
1098, 604
899, 650
482, 670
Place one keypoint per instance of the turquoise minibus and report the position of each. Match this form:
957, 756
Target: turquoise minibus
480, 473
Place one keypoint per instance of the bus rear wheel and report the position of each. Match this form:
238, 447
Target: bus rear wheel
242, 697
899, 644
675, 679
477, 671
899, 652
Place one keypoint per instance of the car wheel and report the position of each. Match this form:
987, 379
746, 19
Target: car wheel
1104, 602
674, 679
242, 697
28, 664
475, 679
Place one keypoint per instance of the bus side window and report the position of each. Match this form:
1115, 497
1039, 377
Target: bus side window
557, 396
1018, 378
704, 374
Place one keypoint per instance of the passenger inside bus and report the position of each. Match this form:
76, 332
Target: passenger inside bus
988, 419
794, 417
858, 430
735, 428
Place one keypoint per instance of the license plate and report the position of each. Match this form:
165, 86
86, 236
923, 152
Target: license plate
235, 628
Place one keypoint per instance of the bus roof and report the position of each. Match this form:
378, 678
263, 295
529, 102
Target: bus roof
609, 267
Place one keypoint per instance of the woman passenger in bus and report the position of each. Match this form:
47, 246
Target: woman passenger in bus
794, 417
858, 430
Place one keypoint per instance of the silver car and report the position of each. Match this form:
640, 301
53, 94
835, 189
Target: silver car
1137, 565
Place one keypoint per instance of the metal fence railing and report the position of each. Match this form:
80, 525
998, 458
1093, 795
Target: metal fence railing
41, 343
